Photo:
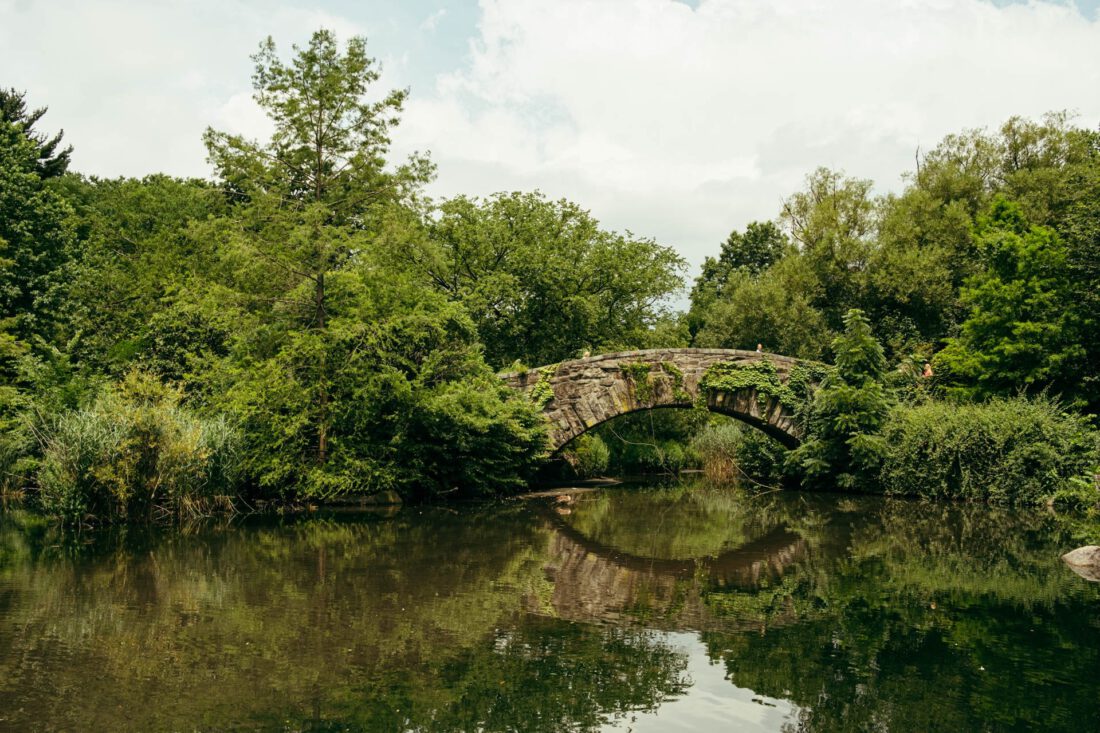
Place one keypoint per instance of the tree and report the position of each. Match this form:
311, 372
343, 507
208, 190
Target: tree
1022, 331
751, 253
35, 225
310, 199
924, 250
541, 279
36, 236
1079, 227
832, 222
775, 309
848, 410
347, 376
413, 408
137, 263
49, 161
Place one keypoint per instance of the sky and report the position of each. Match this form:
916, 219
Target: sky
674, 120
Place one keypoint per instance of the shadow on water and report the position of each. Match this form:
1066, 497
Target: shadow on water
791, 612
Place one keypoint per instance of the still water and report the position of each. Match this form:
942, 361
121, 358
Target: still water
678, 608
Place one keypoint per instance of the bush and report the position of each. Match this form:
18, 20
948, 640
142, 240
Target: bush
135, 454
652, 441
651, 456
396, 390
589, 456
1013, 451
762, 458
717, 445
729, 452
467, 439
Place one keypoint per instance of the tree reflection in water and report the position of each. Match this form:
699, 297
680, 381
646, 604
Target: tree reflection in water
864, 613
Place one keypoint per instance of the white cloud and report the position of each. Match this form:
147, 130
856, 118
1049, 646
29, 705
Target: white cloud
432, 21
683, 124
675, 123
135, 84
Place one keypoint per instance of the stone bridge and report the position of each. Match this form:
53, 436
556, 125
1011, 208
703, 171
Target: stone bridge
578, 395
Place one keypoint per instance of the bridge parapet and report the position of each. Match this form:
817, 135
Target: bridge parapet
580, 394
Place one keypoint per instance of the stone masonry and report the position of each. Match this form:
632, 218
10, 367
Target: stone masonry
590, 391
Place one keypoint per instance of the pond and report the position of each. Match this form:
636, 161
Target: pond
644, 609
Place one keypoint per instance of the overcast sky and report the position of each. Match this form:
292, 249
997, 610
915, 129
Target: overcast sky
676, 120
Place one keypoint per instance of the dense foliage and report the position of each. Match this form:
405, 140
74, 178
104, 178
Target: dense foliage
1015, 451
346, 329
309, 298
934, 262
540, 278
1022, 330
133, 454
843, 446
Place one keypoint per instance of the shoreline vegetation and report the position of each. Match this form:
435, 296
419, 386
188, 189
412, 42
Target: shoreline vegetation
309, 327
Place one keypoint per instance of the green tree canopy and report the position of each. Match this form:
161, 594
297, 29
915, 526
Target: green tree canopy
50, 161
347, 376
775, 309
35, 229
751, 253
832, 221
541, 279
1022, 331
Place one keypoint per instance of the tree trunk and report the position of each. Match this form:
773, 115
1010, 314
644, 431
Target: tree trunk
322, 419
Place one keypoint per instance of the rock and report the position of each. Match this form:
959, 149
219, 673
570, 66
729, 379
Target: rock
1085, 561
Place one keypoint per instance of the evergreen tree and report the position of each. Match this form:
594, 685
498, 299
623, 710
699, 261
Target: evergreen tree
312, 197
50, 161
36, 234
843, 446
35, 225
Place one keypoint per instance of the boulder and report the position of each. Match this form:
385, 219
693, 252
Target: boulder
1085, 561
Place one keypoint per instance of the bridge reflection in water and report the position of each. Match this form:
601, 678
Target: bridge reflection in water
594, 581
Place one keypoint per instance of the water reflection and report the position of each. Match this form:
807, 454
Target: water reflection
680, 607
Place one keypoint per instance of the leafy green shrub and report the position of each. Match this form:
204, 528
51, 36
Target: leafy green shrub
589, 455
41, 387
1014, 451
652, 456
762, 458
135, 454
16, 464
676, 457
468, 438
642, 442
176, 336
412, 407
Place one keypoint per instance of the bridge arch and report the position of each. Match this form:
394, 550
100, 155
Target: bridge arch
580, 394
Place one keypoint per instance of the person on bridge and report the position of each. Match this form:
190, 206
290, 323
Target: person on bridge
760, 348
